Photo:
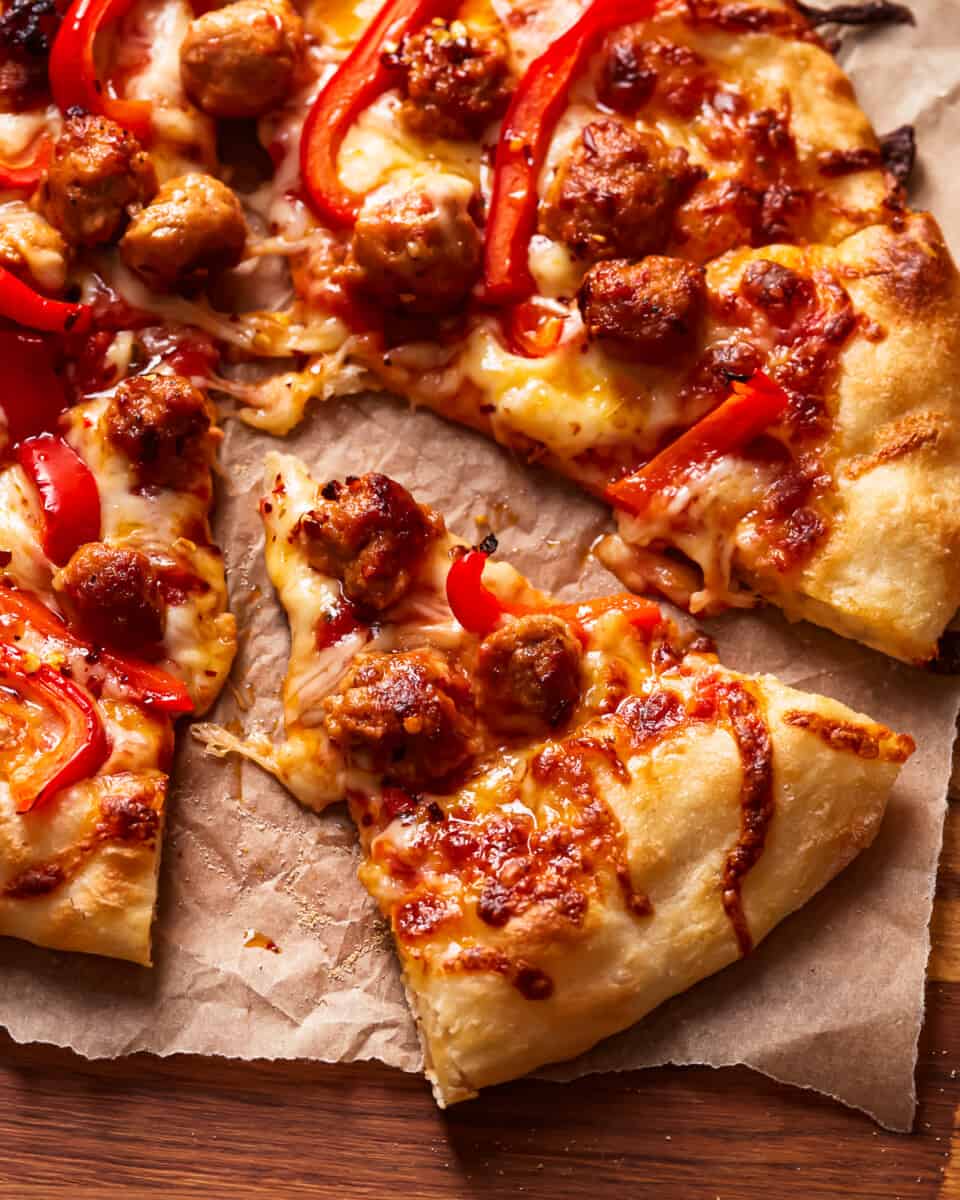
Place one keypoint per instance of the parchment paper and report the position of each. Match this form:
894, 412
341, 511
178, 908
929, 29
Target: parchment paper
833, 999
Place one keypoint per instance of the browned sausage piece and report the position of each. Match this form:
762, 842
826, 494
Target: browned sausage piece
633, 69
241, 60
720, 215
98, 177
780, 292
528, 675
616, 194
194, 228
455, 81
407, 715
419, 251
114, 595
648, 311
161, 423
371, 534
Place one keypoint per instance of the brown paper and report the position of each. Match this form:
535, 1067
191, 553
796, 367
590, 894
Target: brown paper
833, 999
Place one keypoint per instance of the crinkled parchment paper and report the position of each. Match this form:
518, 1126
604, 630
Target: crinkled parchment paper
833, 999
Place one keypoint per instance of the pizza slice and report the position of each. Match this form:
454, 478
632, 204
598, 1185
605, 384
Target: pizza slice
568, 812
113, 624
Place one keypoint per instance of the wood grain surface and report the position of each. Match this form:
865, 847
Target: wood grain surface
191, 1127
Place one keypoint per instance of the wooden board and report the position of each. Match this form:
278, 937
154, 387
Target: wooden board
189, 1127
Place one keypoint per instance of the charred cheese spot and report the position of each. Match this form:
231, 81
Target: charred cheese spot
866, 742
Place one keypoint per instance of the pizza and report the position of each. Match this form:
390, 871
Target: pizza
656, 247
568, 812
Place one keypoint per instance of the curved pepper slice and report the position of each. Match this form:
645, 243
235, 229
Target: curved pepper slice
68, 492
73, 71
33, 395
479, 611
22, 305
750, 408
80, 747
525, 136
27, 174
360, 78
139, 681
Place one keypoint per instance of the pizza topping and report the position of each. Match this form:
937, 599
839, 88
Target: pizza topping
99, 175
73, 69
193, 228
114, 596
419, 251
31, 248
57, 736
861, 12
407, 715
372, 535
162, 424
455, 81
633, 68
362, 76
749, 410
33, 395
22, 305
776, 289
649, 311
241, 60
536, 107
719, 215
529, 675
616, 194
69, 496
141, 682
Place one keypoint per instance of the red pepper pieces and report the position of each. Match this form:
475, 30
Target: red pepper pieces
81, 745
69, 495
22, 305
750, 408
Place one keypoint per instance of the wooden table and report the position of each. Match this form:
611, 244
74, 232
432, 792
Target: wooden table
190, 1127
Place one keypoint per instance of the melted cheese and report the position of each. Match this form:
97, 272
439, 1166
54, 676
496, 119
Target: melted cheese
184, 135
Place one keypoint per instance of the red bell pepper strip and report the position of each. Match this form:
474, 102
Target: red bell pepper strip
69, 495
73, 71
532, 328
476, 608
81, 748
27, 174
357, 82
749, 409
479, 611
525, 136
33, 395
22, 305
141, 682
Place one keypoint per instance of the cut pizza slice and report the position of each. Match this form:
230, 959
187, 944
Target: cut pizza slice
113, 624
568, 812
